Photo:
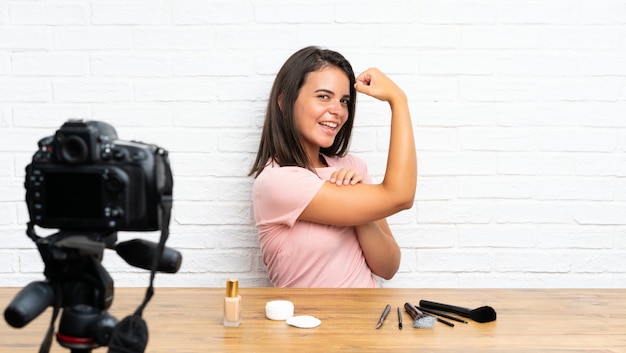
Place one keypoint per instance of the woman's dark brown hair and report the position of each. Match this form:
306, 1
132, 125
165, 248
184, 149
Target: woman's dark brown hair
280, 140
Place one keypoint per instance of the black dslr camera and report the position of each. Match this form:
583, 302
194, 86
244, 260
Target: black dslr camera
83, 178
86, 183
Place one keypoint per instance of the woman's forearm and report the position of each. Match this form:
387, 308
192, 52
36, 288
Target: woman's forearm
380, 249
401, 172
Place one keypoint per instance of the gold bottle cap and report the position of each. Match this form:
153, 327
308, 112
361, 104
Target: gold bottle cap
232, 287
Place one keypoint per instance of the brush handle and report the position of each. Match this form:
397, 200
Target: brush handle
412, 310
434, 312
465, 312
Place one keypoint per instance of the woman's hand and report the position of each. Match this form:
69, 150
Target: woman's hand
376, 84
345, 177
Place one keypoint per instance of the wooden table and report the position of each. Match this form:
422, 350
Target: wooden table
190, 320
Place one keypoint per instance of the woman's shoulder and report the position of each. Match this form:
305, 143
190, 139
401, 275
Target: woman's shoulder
285, 185
274, 174
274, 169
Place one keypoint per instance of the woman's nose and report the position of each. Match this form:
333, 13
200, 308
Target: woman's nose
336, 108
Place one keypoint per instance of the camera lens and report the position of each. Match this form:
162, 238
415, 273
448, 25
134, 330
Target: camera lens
74, 149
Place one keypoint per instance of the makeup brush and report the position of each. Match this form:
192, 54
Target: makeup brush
420, 320
438, 313
482, 314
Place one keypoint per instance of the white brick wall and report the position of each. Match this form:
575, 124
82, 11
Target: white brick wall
519, 109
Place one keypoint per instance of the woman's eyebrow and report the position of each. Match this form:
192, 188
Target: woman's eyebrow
324, 90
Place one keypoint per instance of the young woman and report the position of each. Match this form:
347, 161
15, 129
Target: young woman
321, 221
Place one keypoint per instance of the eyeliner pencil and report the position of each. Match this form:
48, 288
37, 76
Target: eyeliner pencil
399, 319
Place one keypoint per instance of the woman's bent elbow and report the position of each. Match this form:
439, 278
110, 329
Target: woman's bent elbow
403, 198
388, 276
388, 273
405, 203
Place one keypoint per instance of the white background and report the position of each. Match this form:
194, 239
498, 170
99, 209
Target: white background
519, 109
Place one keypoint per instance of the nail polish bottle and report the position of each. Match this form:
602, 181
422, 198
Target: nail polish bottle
232, 303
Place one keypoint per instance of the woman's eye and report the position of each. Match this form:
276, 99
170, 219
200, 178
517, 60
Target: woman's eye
345, 101
324, 96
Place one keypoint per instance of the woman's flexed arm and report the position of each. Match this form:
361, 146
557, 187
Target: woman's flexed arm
363, 203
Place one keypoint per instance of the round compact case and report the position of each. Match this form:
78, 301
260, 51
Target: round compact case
278, 309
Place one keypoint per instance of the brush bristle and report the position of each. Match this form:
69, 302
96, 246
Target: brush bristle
483, 314
424, 321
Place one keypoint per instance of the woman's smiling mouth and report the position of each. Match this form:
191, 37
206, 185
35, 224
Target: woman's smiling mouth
329, 124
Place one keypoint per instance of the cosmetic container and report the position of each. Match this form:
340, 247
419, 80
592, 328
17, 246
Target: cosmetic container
279, 310
232, 304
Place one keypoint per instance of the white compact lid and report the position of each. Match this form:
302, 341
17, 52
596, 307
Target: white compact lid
278, 309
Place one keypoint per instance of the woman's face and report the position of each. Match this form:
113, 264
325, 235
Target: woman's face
321, 108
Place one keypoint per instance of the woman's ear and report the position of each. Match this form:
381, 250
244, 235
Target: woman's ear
280, 102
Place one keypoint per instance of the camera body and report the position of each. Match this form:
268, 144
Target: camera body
84, 179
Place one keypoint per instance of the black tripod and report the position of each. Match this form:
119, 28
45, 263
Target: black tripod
78, 285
